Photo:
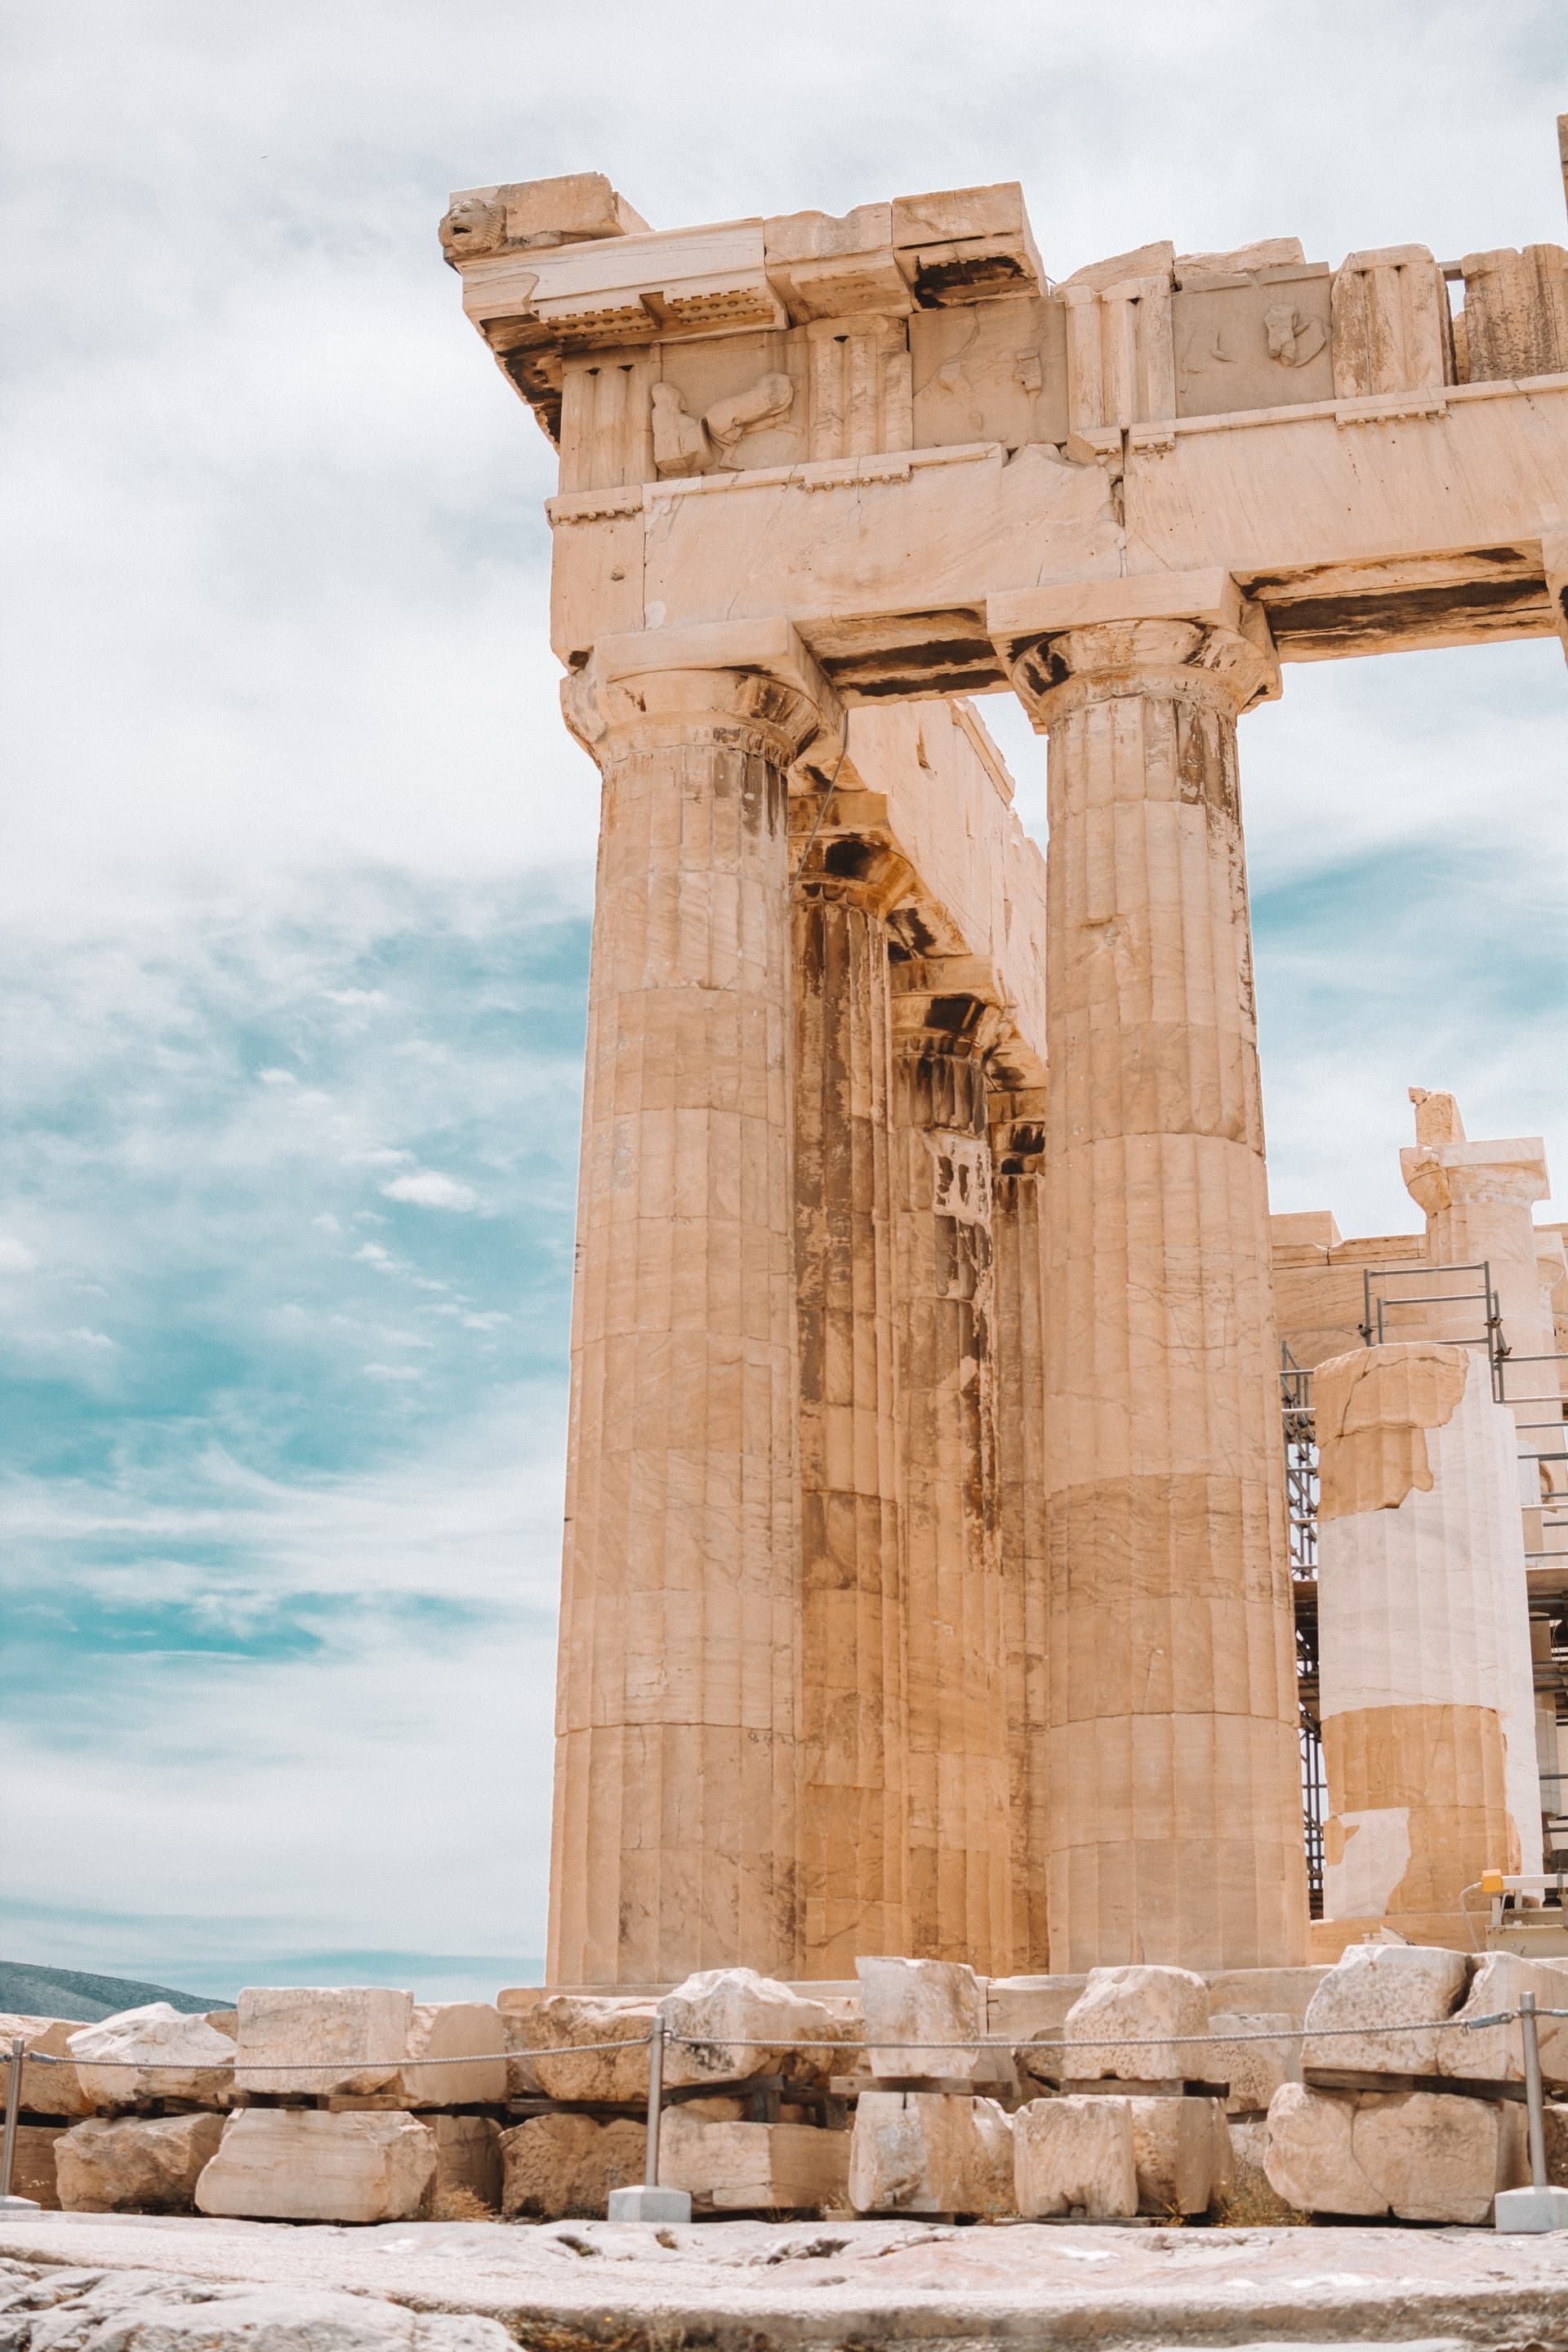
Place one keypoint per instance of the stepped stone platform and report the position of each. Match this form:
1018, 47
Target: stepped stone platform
744, 2286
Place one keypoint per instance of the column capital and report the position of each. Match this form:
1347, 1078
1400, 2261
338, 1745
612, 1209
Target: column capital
1190, 634
1017, 1119
1439, 1176
753, 678
954, 1004
845, 852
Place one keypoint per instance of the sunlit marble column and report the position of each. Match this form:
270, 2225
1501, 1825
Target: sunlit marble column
1173, 1791
676, 1837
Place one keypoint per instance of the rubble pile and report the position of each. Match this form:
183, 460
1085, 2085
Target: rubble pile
923, 2090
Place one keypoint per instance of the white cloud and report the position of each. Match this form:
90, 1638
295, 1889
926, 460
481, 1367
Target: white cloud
431, 1190
15, 1257
277, 1077
394, 1372
398, 1738
355, 995
326, 1223
88, 1339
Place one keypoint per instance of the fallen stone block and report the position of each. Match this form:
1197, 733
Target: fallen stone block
1119, 2025
1308, 2159
135, 2165
746, 2168
1374, 1987
1556, 2122
160, 2053
917, 2009
33, 2165
1074, 2156
47, 2089
468, 2158
1495, 2053
1415, 2154
612, 2073
294, 2164
344, 2042
1271, 1991
931, 2152
562, 2167
1176, 2154
517, 2006
145, 2311
743, 2024
454, 2030
1019, 2007
1255, 2070
1436, 2159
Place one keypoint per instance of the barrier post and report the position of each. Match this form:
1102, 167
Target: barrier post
650, 2202
9, 2204
1539, 2207
1537, 2120
655, 2099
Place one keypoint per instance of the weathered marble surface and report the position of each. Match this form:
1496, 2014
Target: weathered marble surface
747, 2284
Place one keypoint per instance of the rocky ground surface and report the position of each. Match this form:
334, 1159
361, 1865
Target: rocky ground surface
89, 2282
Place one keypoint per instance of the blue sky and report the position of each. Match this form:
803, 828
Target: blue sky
297, 863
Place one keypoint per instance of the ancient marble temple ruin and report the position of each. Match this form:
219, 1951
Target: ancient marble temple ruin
928, 1580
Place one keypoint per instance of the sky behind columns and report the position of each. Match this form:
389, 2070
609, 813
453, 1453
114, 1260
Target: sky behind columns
297, 863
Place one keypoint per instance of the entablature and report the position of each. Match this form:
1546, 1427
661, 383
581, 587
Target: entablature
876, 426
929, 321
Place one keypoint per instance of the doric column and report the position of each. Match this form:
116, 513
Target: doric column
854, 1825
1018, 1235
678, 1752
1423, 1638
959, 1887
1173, 1789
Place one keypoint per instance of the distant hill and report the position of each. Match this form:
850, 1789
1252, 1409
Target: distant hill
29, 1991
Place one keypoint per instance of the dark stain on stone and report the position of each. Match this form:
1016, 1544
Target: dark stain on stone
968, 273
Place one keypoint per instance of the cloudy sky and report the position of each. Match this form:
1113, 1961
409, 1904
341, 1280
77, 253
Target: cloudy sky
298, 860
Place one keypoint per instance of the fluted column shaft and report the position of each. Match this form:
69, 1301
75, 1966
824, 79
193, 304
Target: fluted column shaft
678, 1760
959, 1885
1174, 1794
1018, 1233
852, 1826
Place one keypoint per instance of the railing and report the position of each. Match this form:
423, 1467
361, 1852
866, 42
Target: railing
659, 2036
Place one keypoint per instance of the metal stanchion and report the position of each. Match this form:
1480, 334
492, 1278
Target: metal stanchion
1537, 2120
1539, 2207
656, 2100
650, 2202
9, 2204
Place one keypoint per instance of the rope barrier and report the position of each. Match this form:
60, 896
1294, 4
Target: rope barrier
349, 2066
